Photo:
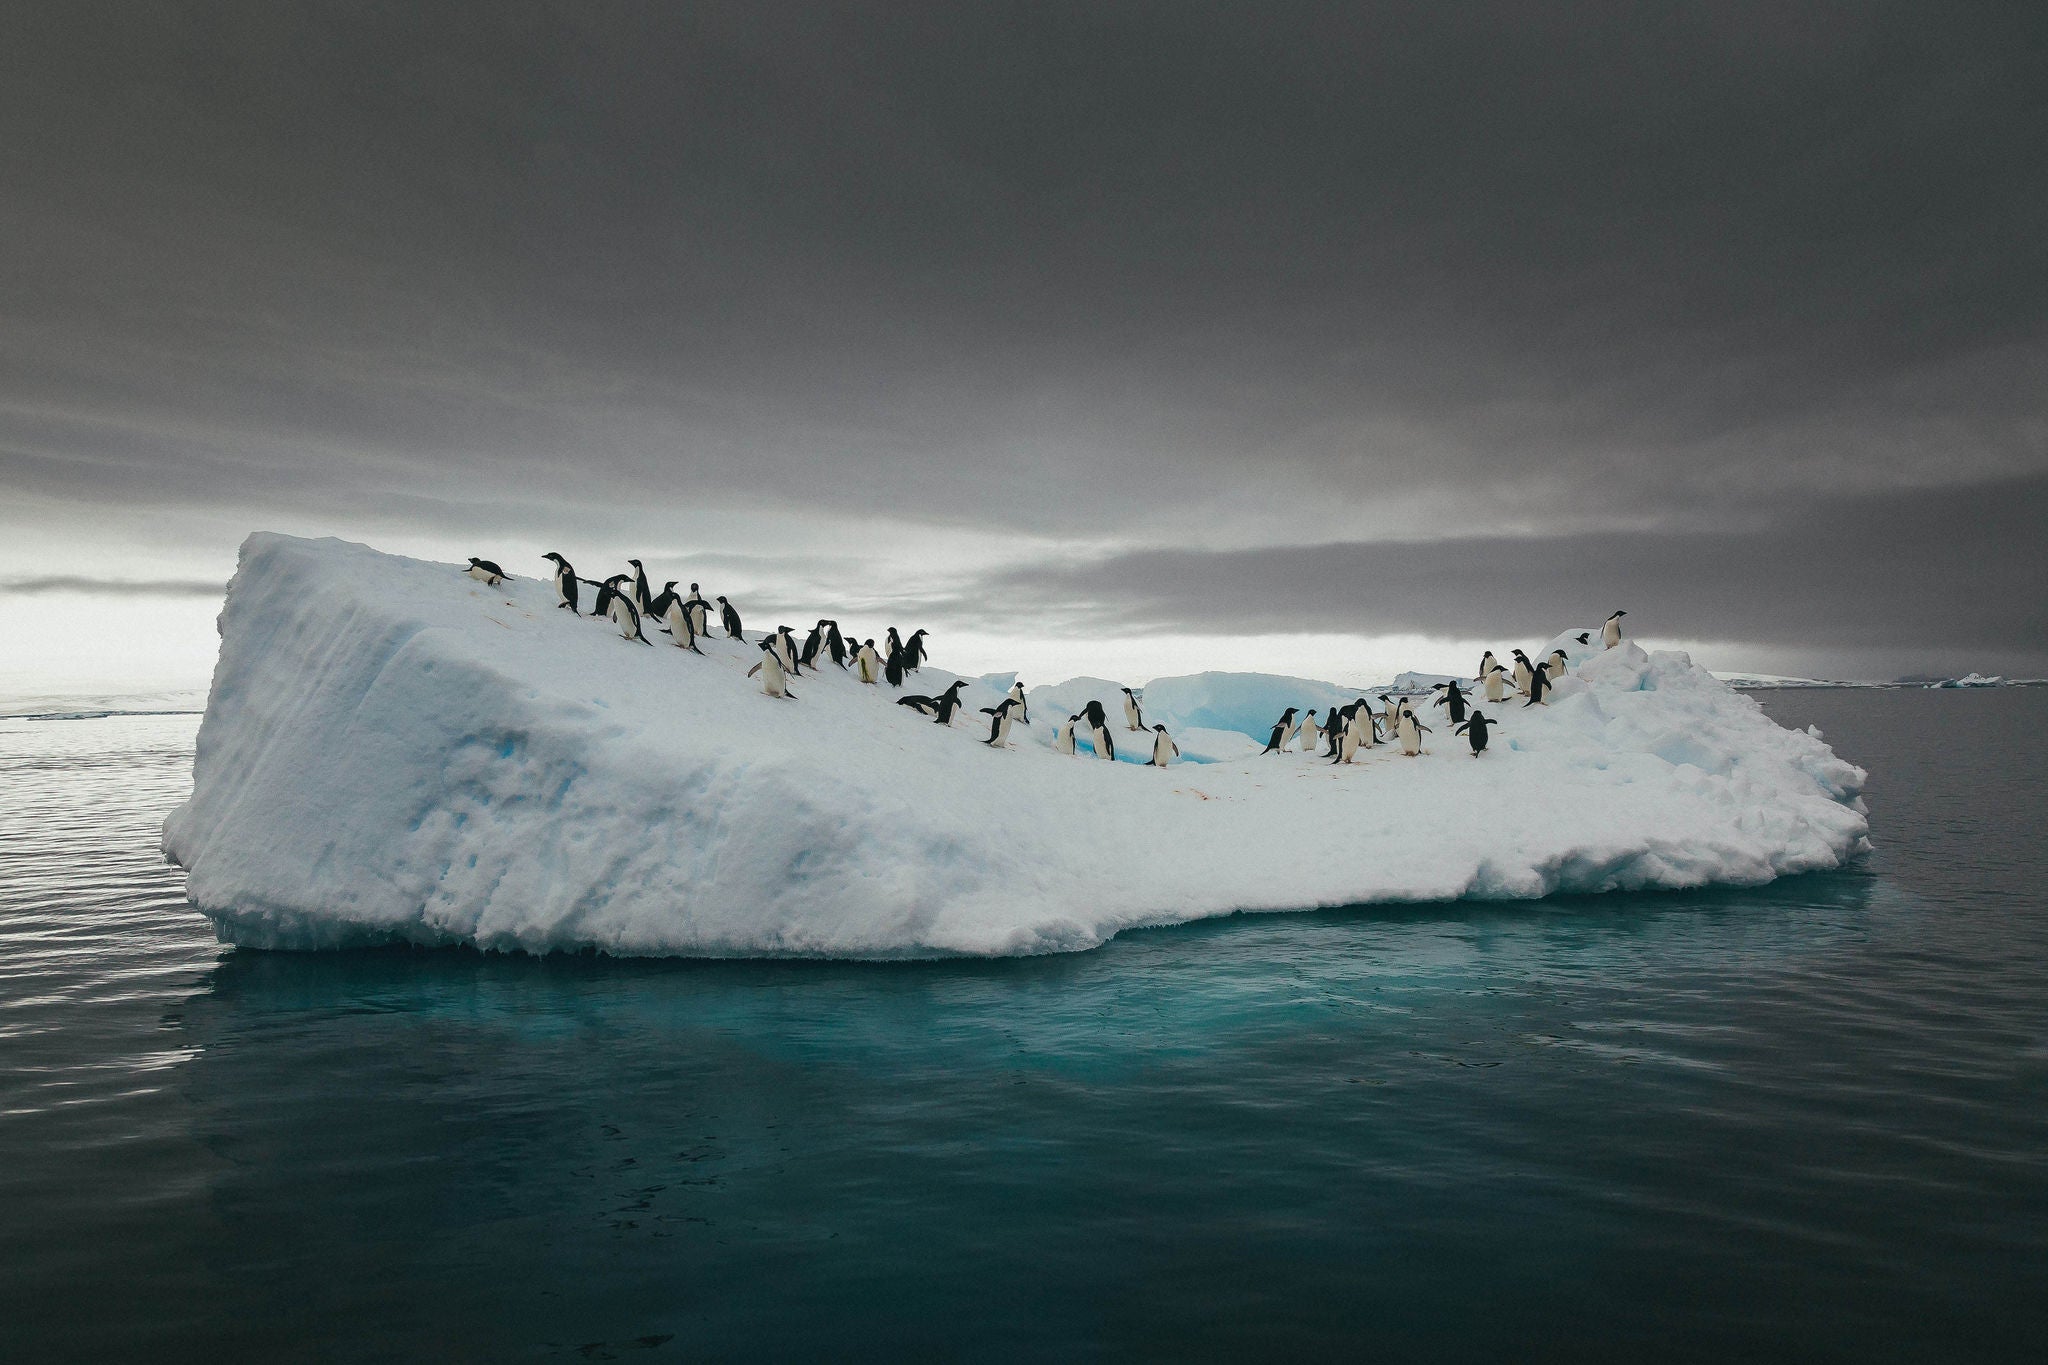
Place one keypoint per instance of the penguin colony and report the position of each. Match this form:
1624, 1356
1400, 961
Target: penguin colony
626, 602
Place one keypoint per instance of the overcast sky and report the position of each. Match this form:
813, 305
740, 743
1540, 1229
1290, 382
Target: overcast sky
1097, 337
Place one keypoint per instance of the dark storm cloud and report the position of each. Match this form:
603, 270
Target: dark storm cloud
1818, 575
116, 587
1087, 270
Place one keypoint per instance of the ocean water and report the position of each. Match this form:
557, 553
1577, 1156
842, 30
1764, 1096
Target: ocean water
1806, 1122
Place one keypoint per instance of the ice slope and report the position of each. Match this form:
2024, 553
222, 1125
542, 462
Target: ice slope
392, 751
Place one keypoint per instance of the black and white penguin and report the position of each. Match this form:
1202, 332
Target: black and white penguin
866, 663
1355, 733
1486, 665
1558, 662
892, 665
682, 627
663, 600
999, 724
1283, 731
1610, 630
1539, 686
1063, 737
814, 645
1521, 673
1452, 700
914, 651
924, 706
565, 582
1475, 730
892, 643
1134, 714
1164, 750
1411, 730
785, 649
1098, 730
773, 680
1017, 696
835, 643
483, 571
1311, 732
613, 602
728, 614
1496, 684
642, 601
949, 701
1333, 733
700, 611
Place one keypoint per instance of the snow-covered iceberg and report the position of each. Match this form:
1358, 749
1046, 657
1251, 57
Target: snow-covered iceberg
393, 751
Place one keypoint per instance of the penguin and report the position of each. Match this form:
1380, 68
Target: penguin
1333, 733
1368, 725
1134, 714
1411, 731
1017, 696
1452, 700
1357, 732
731, 617
914, 651
892, 643
1311, 732
999, 725
613, 602
1098, 730
663, 600
1557, 663
814, 645
867, 663
700, 611
565, 582
641, 601
1283, 731
835, 643
1486, 665
1063, 737
949, 701
773, 680
1390, 712
1539, 686
924, 706
1164, 750
680, 628
892, 667
1521, 673
1610, 630
785, 649
1584, 637
1475, 730
1496, 684
483, 571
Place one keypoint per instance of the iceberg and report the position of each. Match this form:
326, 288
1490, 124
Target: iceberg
394, 752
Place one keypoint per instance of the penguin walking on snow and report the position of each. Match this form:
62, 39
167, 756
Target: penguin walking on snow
565, 583
1475, 730
483, 571
1539, 686
892, 667
1164, 750
1283, 731
1063, 737
914, 651
700, 612
613, 602
773, 680
1522, 672
1411, 731
941, 706
1098, 730
1496, 684
999, 724
642, 602
1134, 714
1017, 696
681, 628
658, 609
1486, 666
1557, 663
1311, 732
867, 664
1452, 700
730, 616
1610, 630
785, 649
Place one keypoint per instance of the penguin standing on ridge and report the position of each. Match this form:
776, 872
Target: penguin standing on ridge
1539, 686
1522, 672
1496, 684
663, 600
700, 612
773, 680
1134, 714
941, 706
892, 667
1063, 737
565, 583
483, 571
642, 602
1333, 733
1610, 630
999, 726
1098, 730
1452, 700
681, 628
1164, 750
613, 602
1017, 696
867, 664
814, 645
914, 651
1311, 732
1486, 666
729, 615
1411, 731
1283, 731
949, 701
1357, 732
1558, 662
785, 649
835, 643
892, 643
1475, 730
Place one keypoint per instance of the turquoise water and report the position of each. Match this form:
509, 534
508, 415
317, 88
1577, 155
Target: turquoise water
1808, 1121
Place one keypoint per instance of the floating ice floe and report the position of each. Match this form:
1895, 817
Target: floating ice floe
393, 751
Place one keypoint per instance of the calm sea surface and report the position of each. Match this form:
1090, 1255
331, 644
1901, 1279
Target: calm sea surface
1808, 1122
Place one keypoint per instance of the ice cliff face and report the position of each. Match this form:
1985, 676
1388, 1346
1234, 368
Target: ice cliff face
393, 751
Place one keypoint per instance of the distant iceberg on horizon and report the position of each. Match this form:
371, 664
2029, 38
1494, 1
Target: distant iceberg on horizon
394, 752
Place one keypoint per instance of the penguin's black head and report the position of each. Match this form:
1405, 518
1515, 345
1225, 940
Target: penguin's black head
693, 587
634, 562
552, 555
1160, 728
1621, 613
671, 586
721, 597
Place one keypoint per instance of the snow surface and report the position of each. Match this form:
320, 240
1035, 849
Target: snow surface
394, 752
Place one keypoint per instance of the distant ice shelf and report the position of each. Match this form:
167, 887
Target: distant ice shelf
393, 751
